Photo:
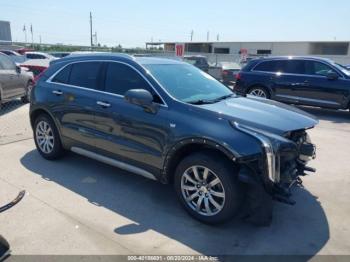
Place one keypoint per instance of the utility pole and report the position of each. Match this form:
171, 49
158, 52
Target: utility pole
208, 35
192, 33
91, 42
31, 31
40, 39
218, 37
25, 33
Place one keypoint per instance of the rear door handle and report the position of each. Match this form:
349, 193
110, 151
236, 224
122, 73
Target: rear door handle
57, 92
103, 104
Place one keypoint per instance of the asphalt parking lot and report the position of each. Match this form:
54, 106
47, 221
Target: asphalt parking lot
79, 206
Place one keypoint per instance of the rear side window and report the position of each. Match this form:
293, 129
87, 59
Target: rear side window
63, 76
268, 66
290, 66
85, 74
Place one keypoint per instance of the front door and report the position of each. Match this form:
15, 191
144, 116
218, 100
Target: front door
127, 131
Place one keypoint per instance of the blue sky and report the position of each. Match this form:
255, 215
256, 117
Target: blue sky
131, 23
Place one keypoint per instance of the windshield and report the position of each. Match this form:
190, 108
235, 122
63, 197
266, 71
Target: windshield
187, 83
342, 68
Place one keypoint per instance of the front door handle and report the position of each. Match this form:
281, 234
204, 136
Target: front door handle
57, 92
103, 104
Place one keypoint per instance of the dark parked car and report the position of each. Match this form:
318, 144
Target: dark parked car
167, 121
229, 72
297, 80
14, 81
200, 62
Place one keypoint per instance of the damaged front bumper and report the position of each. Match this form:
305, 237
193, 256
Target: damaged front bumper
272, 174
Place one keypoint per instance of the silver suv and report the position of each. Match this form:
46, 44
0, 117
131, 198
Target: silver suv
14, 81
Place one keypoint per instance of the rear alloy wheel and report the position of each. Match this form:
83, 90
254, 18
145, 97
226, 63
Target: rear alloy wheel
26, 97
207, 187
259, 92
47, 138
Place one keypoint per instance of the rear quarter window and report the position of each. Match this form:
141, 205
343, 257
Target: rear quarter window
267, 66
85, 74
63, 76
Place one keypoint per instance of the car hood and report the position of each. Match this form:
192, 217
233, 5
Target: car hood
267, 115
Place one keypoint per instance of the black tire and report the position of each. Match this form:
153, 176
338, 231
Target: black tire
261, 89
26, 98
57, 149
227, 174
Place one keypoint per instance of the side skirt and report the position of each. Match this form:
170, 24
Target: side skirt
113, 162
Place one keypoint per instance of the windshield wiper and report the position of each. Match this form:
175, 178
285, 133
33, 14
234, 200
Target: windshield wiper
201, 102
210, 101
222, 98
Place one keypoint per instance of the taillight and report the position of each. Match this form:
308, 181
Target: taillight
36, 78
238, 76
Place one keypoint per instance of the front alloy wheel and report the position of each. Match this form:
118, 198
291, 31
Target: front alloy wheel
207, 186
203, 190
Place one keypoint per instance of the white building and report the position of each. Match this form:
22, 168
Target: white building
226, 51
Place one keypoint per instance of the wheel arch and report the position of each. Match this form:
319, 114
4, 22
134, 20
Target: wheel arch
190, 146
38, 111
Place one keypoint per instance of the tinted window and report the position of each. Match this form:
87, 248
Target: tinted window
6, 63
121, 78
290, 66
317, 68
268, 66
85, 74
35, 56
63, 76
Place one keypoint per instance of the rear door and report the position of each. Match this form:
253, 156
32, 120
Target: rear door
127, 131
289, 81
72, 97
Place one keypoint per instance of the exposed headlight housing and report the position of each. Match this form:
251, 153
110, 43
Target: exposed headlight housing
272, 162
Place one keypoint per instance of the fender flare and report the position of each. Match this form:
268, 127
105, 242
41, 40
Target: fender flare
49, 114
211, 144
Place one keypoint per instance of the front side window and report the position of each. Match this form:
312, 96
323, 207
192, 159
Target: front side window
120, 78
187, 83
85, 74
317, 68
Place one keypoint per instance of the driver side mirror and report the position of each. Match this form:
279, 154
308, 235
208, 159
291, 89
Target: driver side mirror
332, 75
142, 98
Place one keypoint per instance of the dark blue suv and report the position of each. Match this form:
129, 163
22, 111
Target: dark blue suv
297, 80
171, 122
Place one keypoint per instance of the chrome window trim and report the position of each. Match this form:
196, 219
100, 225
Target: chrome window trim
291, 74
99, 91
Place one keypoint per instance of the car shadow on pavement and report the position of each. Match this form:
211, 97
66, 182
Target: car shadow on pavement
299, 230
8, 107
335, 116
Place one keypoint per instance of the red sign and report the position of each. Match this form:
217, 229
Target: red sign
180, 50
